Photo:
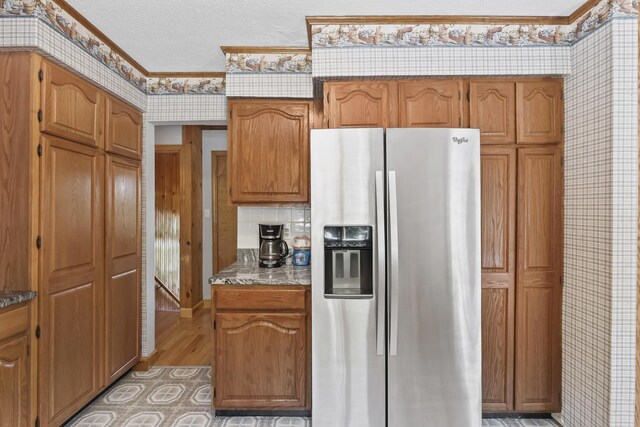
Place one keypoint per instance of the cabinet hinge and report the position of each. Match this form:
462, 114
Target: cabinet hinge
562, 161
28, 350
38, 332
37, 424
561, 281
39, 150
40, 76
214, 324
39, 115
214, 392
328, 96
469, 95
38, 242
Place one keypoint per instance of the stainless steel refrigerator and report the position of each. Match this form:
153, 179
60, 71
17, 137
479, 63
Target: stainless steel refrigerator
396, 278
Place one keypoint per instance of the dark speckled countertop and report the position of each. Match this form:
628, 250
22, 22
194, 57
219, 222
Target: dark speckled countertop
8, 298
249, 273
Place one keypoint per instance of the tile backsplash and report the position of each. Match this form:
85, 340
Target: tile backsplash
297, 222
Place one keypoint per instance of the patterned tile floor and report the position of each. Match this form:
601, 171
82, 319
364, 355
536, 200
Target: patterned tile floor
181, 396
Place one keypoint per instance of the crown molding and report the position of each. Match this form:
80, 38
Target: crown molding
264, 49
590, 4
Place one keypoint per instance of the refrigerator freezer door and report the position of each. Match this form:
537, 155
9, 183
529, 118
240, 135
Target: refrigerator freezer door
348, 376
434, 377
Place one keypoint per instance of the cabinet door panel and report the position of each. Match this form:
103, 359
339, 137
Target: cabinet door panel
122, 267
261, 360
269, 152
430, 103
540, 112
72, 278
71, 107
538, 318
124, 130
498, 231
14, 383
358, 104
492, 108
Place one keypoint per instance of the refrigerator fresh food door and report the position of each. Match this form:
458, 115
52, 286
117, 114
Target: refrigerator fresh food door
348, 379
434, 362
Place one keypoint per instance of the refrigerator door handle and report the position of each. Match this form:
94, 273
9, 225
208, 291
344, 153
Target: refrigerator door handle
393, 268
381, 274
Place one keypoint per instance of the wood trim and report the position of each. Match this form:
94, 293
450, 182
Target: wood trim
214, 74
106, 40
264, 49
168, 148
214, 127
146, 362
207, 303
189, 312
589, 4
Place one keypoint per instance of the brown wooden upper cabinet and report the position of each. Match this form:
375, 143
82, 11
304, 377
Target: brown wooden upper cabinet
492, 108
540, 112
430, 103
406, 103
268, 151
360, 104
124, 129
507, 112
71, 108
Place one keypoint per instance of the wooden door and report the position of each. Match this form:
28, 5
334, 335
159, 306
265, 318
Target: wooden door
14, 382
122, 265
269, 152
540, 112
225, 216
430, 103
261, 360
71, 108
124, 129
364, 104
539, 296
498, 233
492, 109
168, 196
71, 293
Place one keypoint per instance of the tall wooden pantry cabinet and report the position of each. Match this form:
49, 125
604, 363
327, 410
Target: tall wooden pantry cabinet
84, 152
521, 128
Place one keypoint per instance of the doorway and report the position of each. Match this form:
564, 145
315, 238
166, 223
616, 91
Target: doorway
167, 222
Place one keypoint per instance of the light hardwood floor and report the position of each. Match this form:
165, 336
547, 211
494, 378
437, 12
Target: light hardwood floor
183, 341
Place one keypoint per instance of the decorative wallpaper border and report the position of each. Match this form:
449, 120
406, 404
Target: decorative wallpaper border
427, 35
186, 85
268, 63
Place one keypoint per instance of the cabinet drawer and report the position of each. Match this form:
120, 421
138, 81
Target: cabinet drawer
13, 321
263, 298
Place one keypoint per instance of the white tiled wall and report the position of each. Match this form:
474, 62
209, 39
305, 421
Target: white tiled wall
297, 222
267, 85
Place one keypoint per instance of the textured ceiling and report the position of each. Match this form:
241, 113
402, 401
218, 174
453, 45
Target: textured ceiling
186, 35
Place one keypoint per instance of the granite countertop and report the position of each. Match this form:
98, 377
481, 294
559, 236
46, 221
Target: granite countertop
8, 298
247, 272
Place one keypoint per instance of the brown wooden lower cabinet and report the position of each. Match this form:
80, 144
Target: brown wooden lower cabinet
261, 347
14, 366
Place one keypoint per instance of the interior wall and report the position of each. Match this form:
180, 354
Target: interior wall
212, 140
599, 300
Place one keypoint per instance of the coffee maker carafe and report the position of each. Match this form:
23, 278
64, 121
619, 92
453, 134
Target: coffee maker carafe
273, 250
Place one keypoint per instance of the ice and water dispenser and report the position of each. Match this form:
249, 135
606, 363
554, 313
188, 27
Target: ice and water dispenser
348, 262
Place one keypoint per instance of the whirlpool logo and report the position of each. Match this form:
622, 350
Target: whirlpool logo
460, 140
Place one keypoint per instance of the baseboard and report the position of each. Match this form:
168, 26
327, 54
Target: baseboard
262, 412
146, 362
207, 303
189, 312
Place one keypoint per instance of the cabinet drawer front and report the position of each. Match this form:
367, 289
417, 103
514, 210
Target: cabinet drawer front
71, 107
269, 298
13, 321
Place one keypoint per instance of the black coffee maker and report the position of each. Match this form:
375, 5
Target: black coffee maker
273, 250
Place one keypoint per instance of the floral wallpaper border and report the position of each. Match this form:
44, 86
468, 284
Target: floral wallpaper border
427, 35
186, 86
268, 63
